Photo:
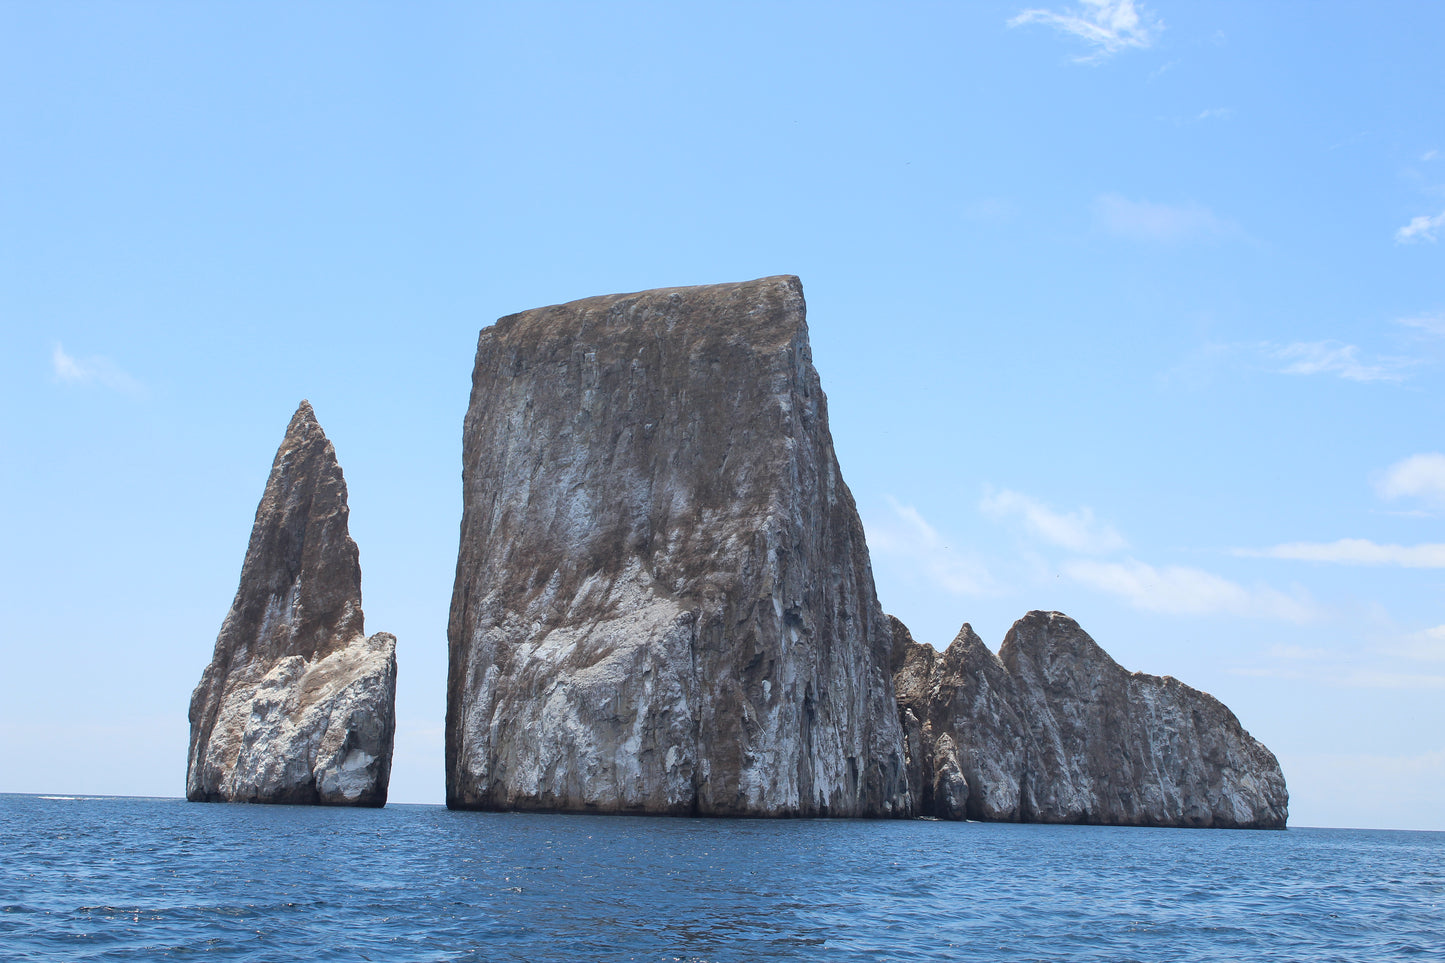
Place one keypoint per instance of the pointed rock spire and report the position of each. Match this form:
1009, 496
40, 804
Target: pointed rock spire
298, 704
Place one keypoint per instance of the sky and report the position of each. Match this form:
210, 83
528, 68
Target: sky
1134, 311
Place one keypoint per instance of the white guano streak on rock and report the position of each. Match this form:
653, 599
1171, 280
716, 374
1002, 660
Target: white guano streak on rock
297, 704
648, 613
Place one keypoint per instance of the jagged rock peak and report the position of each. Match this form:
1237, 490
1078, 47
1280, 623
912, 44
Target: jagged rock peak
663, 599
297, 704
1054, 730
1129, 748
967, 744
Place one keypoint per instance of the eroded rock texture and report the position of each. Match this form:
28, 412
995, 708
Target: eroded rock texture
966, 743
298, 704
663, 600
1054, 730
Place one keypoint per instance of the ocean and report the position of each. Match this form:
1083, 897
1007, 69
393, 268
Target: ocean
105, 878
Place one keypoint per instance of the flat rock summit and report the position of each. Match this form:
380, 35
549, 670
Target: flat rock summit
663, 600
664, 604
298, 703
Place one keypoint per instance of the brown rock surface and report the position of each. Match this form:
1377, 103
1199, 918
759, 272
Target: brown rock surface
663, 599
1130, 749
1054, 730
967, 744
297, 704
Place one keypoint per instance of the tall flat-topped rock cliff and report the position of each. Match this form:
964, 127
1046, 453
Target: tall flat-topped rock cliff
663, 600
297, 704
1053, 730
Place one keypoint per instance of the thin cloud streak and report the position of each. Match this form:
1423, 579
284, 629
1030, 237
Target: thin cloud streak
1180, 590
1076, 531
1431, 324
1354, 551
93, 370
1148, 221
1419, 476
1301, 358
1422, 228
1340, 359
909, 537
1426, 646
1109, 26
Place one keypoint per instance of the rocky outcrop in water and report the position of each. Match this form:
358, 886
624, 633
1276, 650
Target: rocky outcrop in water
663, 600
1054, 730
966, 743
298, 703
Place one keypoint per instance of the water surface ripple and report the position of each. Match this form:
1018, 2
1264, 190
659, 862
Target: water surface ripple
159, 879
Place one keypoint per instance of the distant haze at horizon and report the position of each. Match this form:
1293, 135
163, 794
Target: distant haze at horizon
1132, 311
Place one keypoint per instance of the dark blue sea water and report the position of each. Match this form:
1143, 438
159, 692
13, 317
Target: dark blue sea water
158, 879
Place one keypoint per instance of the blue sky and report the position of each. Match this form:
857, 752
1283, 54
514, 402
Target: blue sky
1133, 311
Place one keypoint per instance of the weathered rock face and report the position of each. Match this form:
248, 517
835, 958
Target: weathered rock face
1054, 730
298, 704
663, 600
1129, 748
967, 745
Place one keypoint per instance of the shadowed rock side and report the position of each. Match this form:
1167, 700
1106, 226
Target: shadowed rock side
1054, 730
298, 704
663, 600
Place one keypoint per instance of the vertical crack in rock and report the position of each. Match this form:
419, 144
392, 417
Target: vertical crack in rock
663, 599
1053, 730
298, 704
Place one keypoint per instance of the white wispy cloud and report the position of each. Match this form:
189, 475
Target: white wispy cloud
93, 370
1077, 531
1367, 669
1380, 679
908, 536
1407, 661
1430, 324
1419, 476
1215, 113
1148, 221
1329, 358
1426, 646
1354, 551
1430, 155
1421, 228
1108, 26
1339, 359
1180, 590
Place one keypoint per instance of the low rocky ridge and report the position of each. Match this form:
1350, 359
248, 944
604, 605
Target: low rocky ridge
1053, 730
298, 703
663, 600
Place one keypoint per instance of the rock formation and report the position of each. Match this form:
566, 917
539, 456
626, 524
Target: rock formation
298, 704
966, 743
663, 600
1054, 730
